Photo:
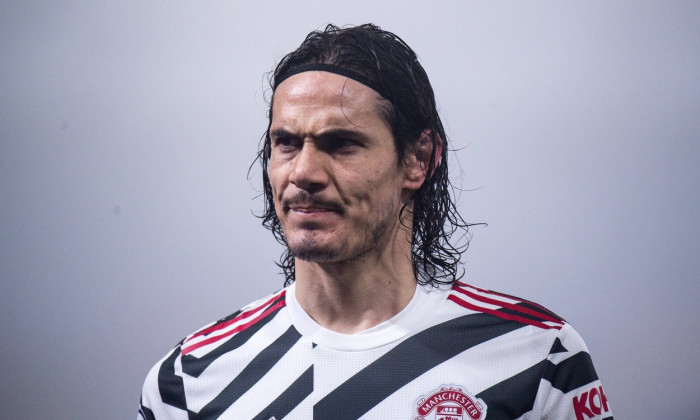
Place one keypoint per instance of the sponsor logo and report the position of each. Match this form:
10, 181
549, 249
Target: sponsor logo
590, 404
450, 402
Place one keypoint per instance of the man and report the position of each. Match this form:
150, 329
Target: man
373, 322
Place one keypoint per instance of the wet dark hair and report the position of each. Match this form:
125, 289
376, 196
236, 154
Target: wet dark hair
410, 110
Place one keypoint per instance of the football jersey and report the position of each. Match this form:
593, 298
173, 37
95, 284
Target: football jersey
456, 352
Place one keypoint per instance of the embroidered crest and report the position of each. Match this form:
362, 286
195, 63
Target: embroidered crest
450, 402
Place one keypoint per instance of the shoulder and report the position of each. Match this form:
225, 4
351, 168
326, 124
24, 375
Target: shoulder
563, 373
164, 387
511, 328
247, 317
503, 306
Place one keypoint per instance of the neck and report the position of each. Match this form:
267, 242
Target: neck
352, 296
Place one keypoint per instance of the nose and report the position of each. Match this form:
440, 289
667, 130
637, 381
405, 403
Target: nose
309, 171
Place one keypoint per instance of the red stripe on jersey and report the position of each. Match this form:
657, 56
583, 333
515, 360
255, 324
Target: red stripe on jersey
511, 306
503, 315
240, 317
550, 313
239, 328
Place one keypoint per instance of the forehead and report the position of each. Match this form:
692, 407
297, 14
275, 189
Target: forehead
318, 98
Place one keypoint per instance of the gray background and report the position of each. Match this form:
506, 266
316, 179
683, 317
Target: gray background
127, 130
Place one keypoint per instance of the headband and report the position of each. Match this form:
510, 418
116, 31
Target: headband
331, 68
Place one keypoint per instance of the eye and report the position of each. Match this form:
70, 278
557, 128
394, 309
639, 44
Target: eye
342, 145
286, 143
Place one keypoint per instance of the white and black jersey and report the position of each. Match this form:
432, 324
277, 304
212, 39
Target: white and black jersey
453, 353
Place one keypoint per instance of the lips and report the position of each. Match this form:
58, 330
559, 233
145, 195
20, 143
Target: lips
309, 209
311, 216
306, 203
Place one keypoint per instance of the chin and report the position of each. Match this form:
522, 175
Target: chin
311, 249
314, 252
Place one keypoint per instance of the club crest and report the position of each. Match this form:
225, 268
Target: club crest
450, 402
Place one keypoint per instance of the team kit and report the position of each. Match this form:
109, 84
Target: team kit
457, 353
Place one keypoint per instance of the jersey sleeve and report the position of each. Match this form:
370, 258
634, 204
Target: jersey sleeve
163, 394
570, 388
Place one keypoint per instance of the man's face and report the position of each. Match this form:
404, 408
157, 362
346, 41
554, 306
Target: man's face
336, 180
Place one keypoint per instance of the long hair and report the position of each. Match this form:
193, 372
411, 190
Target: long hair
410, 110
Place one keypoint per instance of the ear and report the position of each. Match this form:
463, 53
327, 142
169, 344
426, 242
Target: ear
418, 158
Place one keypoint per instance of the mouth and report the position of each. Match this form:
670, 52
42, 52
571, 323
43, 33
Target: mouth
312, 216
309, 209
311, 212
310, 204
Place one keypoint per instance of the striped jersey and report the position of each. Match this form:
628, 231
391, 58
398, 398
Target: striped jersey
452, 353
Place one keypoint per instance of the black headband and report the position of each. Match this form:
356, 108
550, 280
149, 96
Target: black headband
331, 68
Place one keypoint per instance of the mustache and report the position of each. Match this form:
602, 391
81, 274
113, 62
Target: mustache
305, 199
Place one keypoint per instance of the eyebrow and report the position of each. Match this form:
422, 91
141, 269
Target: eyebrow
325, 135
280, 132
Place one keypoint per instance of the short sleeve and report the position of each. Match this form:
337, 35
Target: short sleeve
569, 387
163, 395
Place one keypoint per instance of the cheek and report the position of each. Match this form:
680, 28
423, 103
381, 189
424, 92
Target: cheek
275, 178
377, 186
273, 187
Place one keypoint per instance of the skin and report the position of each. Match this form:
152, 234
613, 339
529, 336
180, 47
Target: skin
338, 189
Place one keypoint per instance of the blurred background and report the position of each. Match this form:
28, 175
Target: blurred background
127, 130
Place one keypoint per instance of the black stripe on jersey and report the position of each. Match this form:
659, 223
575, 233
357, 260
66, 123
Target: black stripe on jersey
515, 396
250, 375
408, 360
558, 347
146, 412
194, 366
572, 373
290, 398
170, 385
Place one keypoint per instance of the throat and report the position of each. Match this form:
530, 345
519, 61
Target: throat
354, 305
